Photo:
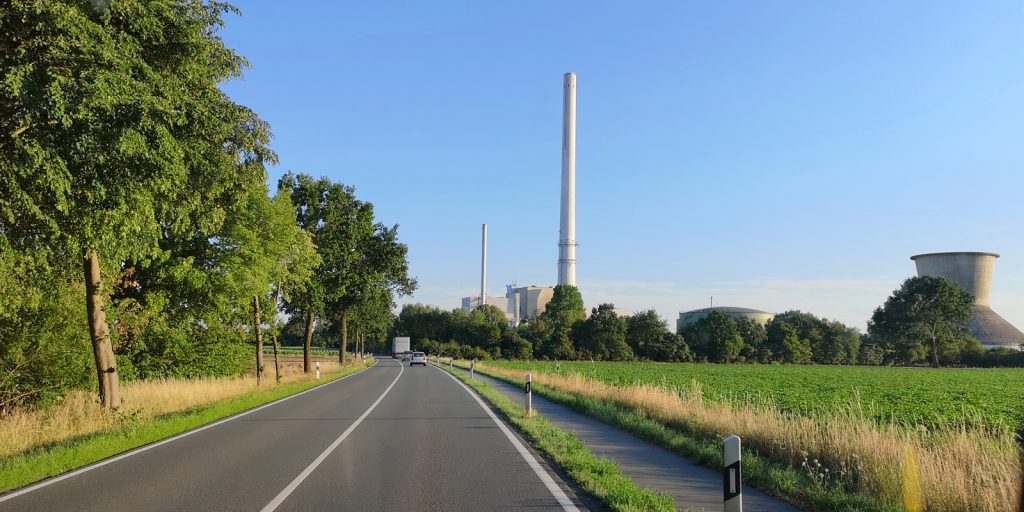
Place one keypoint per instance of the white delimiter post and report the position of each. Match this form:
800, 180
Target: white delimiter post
529, 394
732, 473
318, 369
567, 225
483, 268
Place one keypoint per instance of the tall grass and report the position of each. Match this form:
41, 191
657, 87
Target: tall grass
78, 414
954, 469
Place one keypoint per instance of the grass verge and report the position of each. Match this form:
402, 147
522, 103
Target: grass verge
54, 459
792, 484
600, 477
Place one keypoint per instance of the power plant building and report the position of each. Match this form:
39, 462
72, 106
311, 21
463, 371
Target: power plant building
973, 271
471, 303
526, 302
691, 317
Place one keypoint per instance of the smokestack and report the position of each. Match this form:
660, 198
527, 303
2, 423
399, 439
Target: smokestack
483, 268
567, 225
973, 272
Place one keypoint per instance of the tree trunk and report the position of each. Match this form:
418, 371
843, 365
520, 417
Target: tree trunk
935, 352
259, 339
359, 343
277, 362
99, 332
307, 364
344, 337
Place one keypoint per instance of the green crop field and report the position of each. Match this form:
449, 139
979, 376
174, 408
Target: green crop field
935, 398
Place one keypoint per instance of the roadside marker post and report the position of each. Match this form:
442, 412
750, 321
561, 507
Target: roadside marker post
472, 366
732, 474
318, 370
529, 394
451, 364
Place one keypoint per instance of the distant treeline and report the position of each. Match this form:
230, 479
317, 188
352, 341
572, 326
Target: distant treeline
564, 331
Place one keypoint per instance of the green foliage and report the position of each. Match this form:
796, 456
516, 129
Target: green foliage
926, 315
648, 336
44, 345
362, 262
481, 330
715, 338
602, 336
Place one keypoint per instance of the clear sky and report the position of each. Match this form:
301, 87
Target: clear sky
774, 155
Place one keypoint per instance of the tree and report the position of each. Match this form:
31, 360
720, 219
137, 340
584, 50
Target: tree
645, 334
113, 131
602, 335
562, 312
792, 335
565, 307
925, 312
754, 336
716, 338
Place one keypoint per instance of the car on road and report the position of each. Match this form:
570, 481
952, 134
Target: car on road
418, 358
405, 356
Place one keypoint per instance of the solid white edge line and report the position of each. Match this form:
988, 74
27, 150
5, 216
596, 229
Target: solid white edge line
283, 495
136, 451
544, 476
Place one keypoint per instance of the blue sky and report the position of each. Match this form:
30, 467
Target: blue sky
774, 155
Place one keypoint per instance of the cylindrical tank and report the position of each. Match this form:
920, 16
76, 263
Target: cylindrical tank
973, 271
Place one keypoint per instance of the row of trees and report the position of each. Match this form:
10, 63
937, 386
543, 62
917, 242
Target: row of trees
129, 179
562, 331
924, 321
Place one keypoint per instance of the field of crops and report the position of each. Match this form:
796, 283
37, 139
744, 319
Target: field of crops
993, 397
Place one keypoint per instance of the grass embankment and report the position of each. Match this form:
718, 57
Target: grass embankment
39, 443
600, 477
842, 460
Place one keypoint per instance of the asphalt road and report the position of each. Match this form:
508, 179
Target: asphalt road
391, 437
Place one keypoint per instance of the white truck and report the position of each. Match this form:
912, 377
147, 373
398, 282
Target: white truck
399, 346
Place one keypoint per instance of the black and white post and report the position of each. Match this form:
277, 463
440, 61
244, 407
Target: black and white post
318, 370
472, 367
732, 474
529, 394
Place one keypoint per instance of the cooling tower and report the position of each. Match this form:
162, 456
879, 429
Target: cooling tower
973, 272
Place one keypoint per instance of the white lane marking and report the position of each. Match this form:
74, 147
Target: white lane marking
544, 476
141, 449
281, 496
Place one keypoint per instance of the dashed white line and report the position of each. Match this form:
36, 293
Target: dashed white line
281, 496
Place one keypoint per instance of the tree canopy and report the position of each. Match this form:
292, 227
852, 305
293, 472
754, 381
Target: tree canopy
926, 315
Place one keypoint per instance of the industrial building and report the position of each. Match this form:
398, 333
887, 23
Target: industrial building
471, 303
526, 302
688, 318
973, 271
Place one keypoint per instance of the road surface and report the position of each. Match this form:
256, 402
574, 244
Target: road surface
388, 438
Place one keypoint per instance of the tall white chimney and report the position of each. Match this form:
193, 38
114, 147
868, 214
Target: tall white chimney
567, 225
483, 269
